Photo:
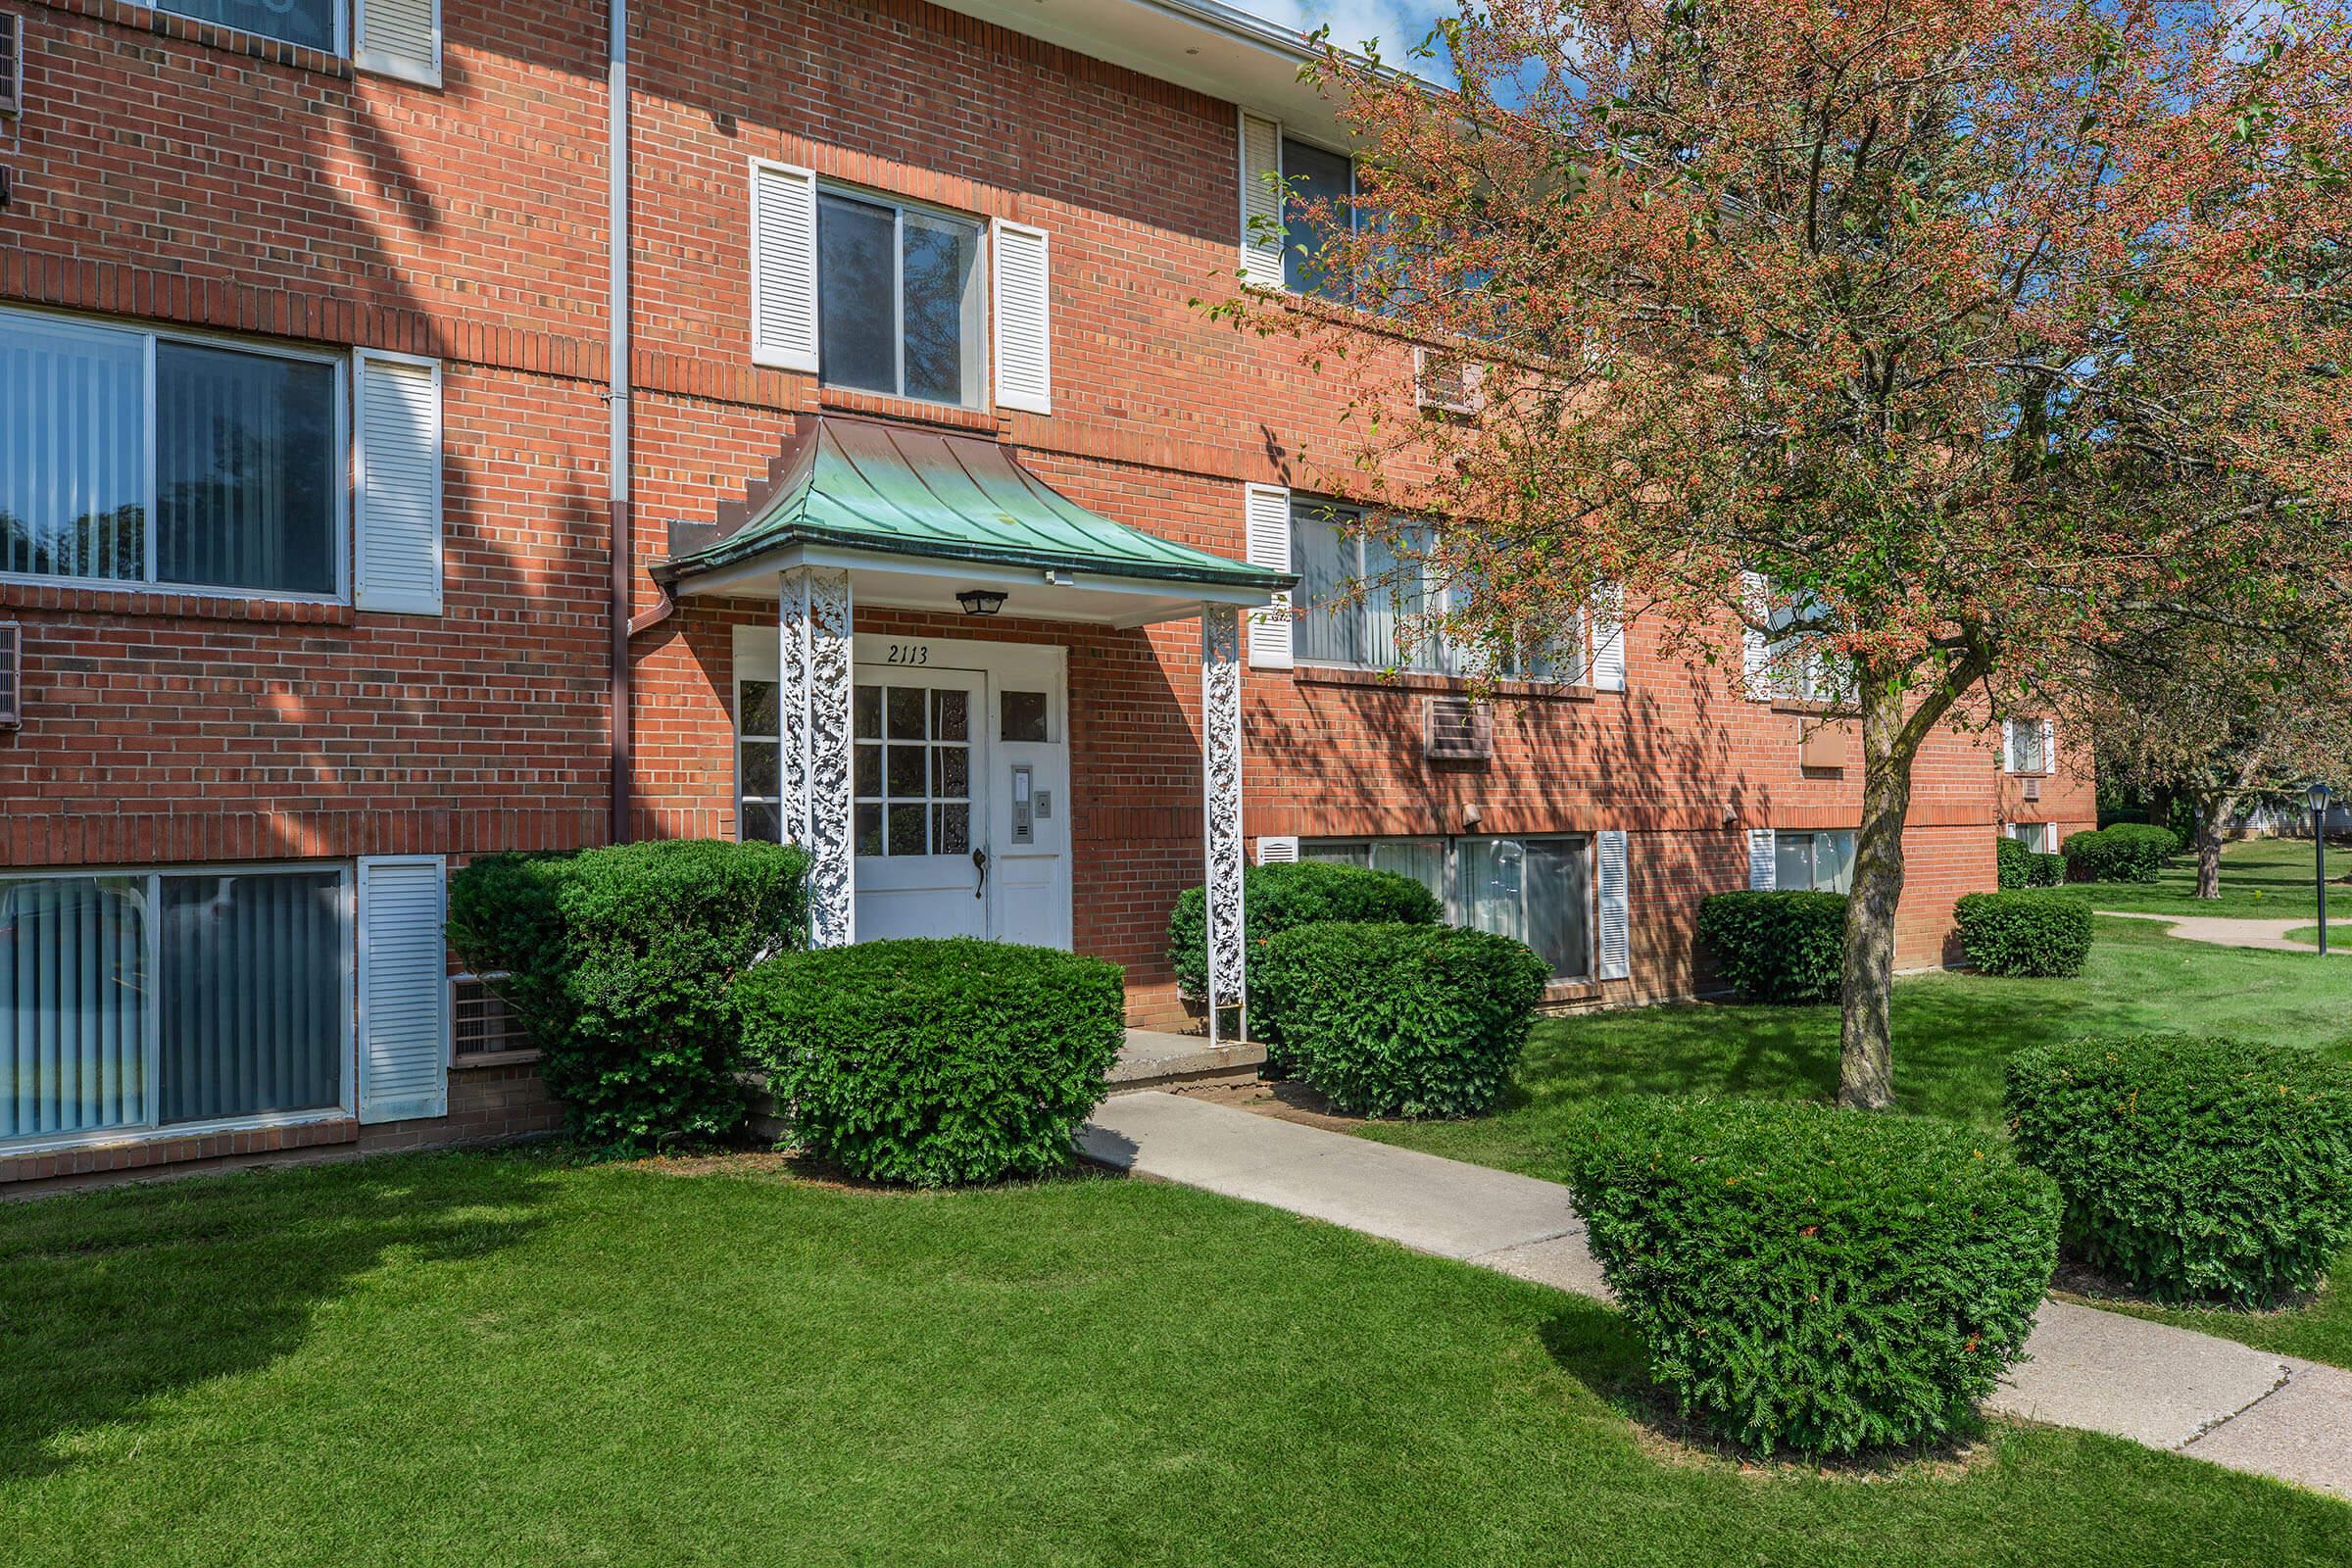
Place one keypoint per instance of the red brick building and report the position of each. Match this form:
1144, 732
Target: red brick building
309, 387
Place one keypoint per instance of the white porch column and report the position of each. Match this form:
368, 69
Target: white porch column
1221, 771
814, 690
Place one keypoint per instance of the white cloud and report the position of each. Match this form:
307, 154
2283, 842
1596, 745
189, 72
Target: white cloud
1398, 24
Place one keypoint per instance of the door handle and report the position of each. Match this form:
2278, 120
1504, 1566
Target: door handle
980, 864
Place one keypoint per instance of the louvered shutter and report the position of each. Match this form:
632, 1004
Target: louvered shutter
398, 467
1613, 895
1261, 201
404, 988
1608, 638
2049, 837
2049, 746
1024, 318
1755, 654
400, 38
2008, 745
1266, 527
1763, 860
783, 267
1274, 850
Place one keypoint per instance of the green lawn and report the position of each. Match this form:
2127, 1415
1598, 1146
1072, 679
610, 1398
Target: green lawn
491, 1360
2261, 879
1953, 1033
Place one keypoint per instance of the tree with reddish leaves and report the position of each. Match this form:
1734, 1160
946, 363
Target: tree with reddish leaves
1930, 338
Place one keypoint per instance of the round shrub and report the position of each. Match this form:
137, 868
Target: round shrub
2010, 862
2128, 852
2038, 934
2192, 1169
2045, 870
1276, 898
1399, 1021
936, 1063
1777, 946
1818, 1280
620, 964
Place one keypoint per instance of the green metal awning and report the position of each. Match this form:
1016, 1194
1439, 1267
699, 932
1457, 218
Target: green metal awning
876, 490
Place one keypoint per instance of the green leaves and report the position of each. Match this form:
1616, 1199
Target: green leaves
2039, 934
1777, 946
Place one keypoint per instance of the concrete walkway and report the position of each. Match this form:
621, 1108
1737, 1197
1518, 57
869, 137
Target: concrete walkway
1156, 1056
2102, 1371
2229, 932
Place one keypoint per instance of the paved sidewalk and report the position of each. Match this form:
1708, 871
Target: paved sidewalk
2102, 1371
2222, 931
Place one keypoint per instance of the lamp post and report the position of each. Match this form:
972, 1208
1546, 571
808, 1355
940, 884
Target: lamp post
2317, 798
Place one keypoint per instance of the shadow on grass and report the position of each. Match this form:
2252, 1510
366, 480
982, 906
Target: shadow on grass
113, 1299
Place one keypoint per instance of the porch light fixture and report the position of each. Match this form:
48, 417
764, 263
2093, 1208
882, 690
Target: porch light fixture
980, 601
2316, 797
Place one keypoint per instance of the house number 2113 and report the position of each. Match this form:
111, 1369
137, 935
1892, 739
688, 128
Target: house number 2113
910, 653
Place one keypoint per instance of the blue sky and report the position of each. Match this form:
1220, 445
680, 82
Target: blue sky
1398, 24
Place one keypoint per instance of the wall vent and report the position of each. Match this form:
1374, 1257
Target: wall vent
480, 1023
1446, 383
12, 674
1457, 730
2032, 788
11, 64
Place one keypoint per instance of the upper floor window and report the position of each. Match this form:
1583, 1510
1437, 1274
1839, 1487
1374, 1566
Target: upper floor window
2026, 741
308, 24
1315, 178
1359, 595
899, 292
131, 456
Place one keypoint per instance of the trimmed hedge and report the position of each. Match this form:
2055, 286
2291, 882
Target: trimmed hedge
1276, 898
2128, 852
2019, 867
620, 965
1819, 1280
2035, 934
1777, 946
1399, 1021
936, 1063
2192, 1169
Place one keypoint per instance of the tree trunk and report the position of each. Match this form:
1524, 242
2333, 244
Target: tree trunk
2213, 817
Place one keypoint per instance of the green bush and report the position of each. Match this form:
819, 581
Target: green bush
2128, 852
1399, 1021
2045, 870
620, 965
2019, 867
1777, 946
936, 1063
2192, 1169
2034, 933
1819, 1280
1276, 898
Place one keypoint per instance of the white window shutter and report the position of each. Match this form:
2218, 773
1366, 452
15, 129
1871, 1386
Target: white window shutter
1608, 638
1276, 851
404, 988
1266, 534
399, 38
783, 267
1023, 317
2049, 837
1261, 201
1755, 654
2049, 746
397, 467
1613, 895
1763, 860
2008, 745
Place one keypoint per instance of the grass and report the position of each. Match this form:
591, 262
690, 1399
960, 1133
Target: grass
505, 1359
2261, 879
1953, 1033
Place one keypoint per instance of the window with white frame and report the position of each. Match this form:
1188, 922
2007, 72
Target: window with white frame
306, 23
1800, 672
899, 299
1538, 890
132, 456
2024, 742
1819, 861
758, 761
2034, 836
136, 1002
1312, 175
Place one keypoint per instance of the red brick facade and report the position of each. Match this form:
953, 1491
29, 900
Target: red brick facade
185, 174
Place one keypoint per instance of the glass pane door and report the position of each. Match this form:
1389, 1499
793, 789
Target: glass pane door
913, 779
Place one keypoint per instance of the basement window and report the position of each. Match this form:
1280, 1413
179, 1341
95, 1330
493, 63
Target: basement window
304, 24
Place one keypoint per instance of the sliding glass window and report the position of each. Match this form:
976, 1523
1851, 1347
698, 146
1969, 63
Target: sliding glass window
899, 299
308, 24
131, 458
1363, 598
155, 1000
1536, 889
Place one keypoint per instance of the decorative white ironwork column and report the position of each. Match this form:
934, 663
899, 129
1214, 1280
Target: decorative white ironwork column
814, 669
1221, 771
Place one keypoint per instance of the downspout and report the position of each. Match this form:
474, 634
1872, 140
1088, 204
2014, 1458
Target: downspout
617, 399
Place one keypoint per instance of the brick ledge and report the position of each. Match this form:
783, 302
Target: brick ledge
138, 1154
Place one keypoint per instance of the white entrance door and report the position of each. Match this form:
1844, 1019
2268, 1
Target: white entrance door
920, 781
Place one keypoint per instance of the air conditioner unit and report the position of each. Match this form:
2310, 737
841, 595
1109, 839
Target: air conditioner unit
2032, 788
1447, 383
11, 64
12, 674
480, 1023
1457, 729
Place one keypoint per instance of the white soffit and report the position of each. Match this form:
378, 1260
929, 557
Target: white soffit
1211, 48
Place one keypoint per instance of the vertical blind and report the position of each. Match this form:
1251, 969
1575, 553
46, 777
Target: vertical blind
245, 495
72, 450
73, 1004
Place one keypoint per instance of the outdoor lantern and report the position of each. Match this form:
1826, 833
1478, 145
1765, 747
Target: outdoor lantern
2316, 794
980, 601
